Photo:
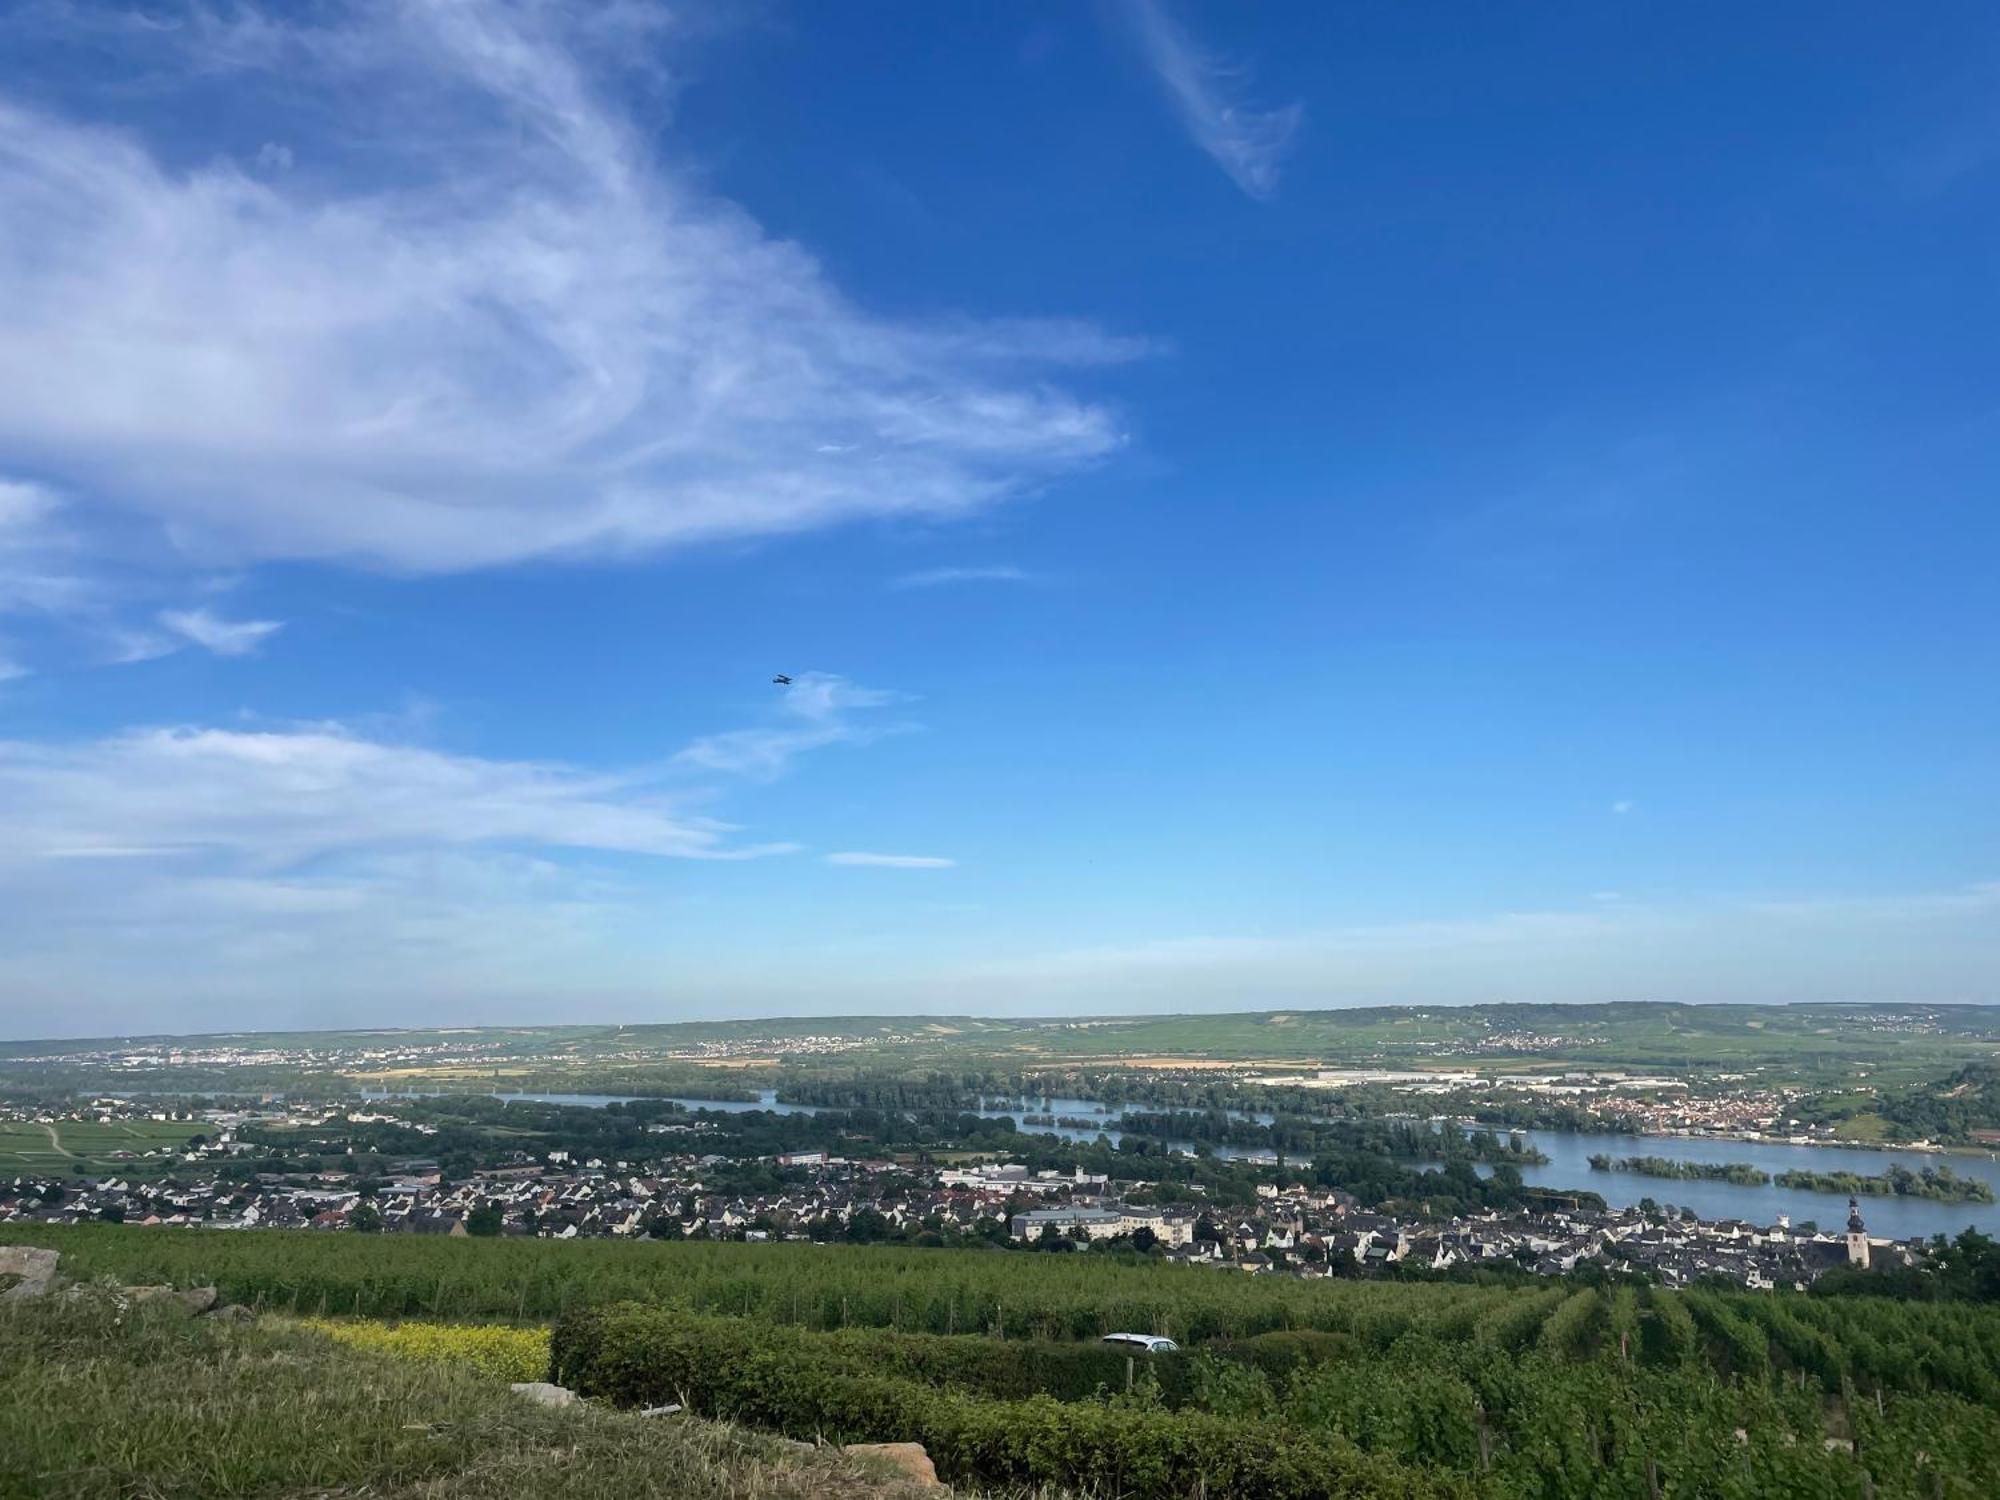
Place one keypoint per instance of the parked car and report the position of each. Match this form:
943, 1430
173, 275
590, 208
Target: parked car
1143, 1343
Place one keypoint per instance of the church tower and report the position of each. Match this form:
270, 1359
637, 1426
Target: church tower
1857, 1236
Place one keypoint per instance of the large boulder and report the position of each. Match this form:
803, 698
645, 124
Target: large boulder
28, 1270
545, 1394
910, 1458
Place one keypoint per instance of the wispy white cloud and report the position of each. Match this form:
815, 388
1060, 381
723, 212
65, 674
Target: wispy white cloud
275, 799
927, 578
23, 505
817, 709
38, 570
345, 859
1207, 93
48, 570
891, 861
467, 315
1041, 341
1623, 806
122, 646
223, 637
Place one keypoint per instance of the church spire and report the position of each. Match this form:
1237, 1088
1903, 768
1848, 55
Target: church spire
1857, 1236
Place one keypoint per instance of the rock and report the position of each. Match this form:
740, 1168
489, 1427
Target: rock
672, 1408
197, 1299
545, 1394
910, 1458
235, 1312
35, 1267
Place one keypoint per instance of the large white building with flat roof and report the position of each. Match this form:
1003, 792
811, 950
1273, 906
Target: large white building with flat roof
1103, 1223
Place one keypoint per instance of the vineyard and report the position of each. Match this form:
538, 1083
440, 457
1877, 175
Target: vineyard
1287, 1387
1873, 1343
1531, 1404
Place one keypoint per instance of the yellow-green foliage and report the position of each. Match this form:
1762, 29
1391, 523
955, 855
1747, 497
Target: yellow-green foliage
504, 1353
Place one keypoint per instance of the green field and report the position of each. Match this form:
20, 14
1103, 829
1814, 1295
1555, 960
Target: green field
101, 1146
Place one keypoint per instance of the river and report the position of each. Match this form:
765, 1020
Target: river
1569, 1154
1568, 1166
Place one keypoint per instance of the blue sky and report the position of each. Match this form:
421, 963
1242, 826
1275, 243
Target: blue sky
1263, 506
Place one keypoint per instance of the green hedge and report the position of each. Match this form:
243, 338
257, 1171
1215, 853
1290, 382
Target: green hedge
1008, 1369
933, 1391
677, 1345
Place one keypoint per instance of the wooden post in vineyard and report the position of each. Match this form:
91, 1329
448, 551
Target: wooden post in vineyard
1652, 1479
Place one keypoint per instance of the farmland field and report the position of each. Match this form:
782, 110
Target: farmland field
102, 1145
1826, 1045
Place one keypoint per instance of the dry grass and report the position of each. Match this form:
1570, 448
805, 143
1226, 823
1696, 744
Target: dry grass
144, 1403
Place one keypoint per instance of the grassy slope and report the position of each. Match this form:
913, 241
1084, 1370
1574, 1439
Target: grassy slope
151, 1403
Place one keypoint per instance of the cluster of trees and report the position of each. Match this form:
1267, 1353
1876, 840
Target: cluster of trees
1950, 1109
1963, 1269
1296, 1137
1940, 1183
1126, 1089
928, 1091
1455, 1188
1739, 1172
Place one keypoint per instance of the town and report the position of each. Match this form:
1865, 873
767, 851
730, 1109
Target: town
211, 1180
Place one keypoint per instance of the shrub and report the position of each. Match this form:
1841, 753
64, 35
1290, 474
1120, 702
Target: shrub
505, 1353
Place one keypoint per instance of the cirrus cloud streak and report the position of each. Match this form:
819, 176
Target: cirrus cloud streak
465, 314
891, 861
